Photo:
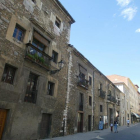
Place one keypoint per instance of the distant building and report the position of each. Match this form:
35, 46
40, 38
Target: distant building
131, 96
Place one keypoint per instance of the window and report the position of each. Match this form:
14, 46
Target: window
101, 108
90, 100
19, 33
38, 45
54, 56
90, 80
100, 86
31, 92
34, 1
8, 74
81, 102
57, 22
50, 88
109, 92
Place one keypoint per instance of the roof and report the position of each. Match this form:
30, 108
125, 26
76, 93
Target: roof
118, 79
63, 8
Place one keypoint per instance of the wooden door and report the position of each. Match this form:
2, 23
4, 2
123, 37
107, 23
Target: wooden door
3, 114
89, 122
45, 125
80, 122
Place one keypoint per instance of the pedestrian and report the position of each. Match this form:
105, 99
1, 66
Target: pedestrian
128, 123
115, 126
111, 125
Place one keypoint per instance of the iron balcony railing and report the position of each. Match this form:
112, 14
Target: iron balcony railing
81, 106
102, 93
37, 56
112, 99
30, 96
83, 82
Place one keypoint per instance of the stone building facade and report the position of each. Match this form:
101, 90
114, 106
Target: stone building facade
106, 100
33, 40
80, 94
131, 96
88, 83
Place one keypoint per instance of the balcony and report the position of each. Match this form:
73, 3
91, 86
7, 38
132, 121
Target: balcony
83, 83
30, 96
37, 56
112, 99
102, 93
81, 106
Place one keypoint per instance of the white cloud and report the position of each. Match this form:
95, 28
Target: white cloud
123, 3
114, 15
138, 30
129, 13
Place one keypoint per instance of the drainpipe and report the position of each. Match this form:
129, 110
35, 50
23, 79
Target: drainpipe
92, 100
68, 94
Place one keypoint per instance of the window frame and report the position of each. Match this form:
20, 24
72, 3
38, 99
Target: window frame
90, 80
90, 100
34, 1
101, 108
58, 22
9, 67
19, 29
52, 85
55, 58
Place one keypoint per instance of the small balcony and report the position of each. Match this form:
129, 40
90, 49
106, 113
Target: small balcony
37, 56
111, 99
83, 83
30, 96
81, 106
102, 93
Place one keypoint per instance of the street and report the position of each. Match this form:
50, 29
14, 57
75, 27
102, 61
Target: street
124, 133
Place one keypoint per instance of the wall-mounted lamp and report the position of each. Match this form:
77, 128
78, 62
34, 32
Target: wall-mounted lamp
60, 65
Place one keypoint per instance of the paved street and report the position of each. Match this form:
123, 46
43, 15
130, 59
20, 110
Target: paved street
125, 133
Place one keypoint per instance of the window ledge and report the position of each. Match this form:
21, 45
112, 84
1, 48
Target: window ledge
17, 41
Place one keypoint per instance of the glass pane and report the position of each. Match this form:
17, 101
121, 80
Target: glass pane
20, 35
15, 32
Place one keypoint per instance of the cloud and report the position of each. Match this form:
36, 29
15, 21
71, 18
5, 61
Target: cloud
114, 15
138, 30
129, 13
123, 3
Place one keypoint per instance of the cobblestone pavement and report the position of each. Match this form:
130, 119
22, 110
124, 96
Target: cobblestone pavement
105, 134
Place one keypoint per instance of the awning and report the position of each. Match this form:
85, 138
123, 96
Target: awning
136, 115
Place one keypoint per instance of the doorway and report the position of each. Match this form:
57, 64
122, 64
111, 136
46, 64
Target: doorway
45, 125
110, 116
89, 122
3, 115
80, 122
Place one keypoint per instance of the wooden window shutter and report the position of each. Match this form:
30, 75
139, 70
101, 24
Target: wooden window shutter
41, 39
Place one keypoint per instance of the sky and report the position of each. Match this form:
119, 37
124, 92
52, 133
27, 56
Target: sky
107, 33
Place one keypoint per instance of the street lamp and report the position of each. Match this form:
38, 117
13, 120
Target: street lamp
60, 65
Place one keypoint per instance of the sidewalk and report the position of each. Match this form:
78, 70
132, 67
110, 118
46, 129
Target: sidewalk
89, 135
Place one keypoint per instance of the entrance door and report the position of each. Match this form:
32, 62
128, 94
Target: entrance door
45, 126
3, 114
111, 116
80, 122
89, 122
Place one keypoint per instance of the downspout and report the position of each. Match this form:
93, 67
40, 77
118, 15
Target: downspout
92, 100
68, 92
